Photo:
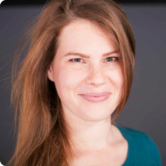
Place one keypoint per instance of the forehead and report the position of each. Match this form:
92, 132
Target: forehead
84, 34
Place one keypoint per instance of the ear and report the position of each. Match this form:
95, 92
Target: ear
50, 73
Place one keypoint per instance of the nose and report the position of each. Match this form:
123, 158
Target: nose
96, 76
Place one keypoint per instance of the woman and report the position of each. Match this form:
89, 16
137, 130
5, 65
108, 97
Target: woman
77, 73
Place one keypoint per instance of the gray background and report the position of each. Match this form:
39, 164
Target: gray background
145, 109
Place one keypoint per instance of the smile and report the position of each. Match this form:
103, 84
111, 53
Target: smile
95, 98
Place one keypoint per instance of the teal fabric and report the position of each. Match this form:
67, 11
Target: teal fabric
142, 150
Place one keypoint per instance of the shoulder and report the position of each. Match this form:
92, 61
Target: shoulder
146, 149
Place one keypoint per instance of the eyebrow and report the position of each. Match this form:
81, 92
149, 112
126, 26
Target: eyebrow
87, 56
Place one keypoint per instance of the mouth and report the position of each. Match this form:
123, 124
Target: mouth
96, 97
96, 94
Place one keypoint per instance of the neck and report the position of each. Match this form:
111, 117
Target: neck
90, 135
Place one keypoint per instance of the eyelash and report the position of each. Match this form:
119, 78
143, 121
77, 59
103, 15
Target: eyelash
115, 59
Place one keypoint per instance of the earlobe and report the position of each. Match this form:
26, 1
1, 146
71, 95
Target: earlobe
50, 74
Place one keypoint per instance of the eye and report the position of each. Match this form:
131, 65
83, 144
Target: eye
110, 59
75, 60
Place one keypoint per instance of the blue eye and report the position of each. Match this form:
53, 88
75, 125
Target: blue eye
110, 59
75, 60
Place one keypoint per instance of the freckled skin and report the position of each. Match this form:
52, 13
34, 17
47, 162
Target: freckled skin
95, 74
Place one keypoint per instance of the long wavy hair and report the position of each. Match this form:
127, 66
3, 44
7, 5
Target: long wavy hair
43, 138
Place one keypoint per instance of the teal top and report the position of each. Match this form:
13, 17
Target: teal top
142, 150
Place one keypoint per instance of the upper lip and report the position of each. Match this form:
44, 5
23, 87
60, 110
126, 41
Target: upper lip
96, 94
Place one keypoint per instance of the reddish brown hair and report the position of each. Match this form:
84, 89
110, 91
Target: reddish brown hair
43, 138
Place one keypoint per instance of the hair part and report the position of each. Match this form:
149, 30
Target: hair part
43, 138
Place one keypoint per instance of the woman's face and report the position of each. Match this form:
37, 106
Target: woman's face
75, 75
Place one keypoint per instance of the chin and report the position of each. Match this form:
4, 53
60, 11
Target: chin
95, 115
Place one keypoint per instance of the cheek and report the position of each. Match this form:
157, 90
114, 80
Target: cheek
120, 80
66, 80
117, 79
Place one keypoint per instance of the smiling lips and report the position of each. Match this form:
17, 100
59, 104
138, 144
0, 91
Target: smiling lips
96, 97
